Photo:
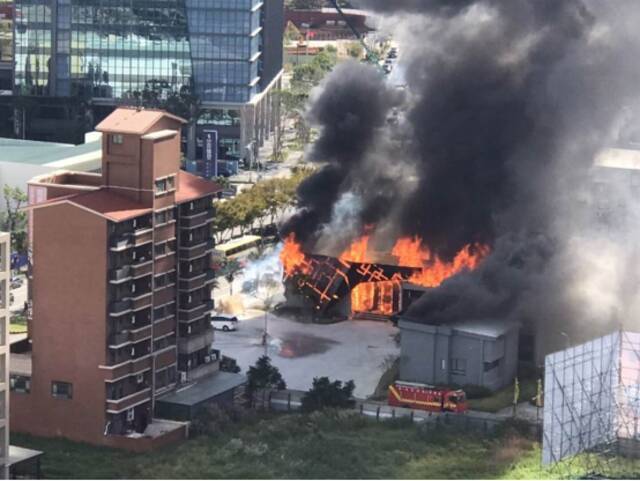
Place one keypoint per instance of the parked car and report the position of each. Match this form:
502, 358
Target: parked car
224, 323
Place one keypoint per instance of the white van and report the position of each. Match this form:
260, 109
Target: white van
224, 323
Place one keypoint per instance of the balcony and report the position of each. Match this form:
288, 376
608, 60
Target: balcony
118, 405
202, 217
196, 250
126, 368
165, 232
191, 312
195, 342
138, 335
189, 283
167, 357
141, 269
130, 337
120, 307
166, 264
120, 274
118, 340
164, 327
131, 239
142, 300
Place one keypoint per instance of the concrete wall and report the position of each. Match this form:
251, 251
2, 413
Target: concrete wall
428, 352
69, 326
423, 348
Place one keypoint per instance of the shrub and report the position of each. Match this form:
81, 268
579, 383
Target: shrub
264, 376
326, 394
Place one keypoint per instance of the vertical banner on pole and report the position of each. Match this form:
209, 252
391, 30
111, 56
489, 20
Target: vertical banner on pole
210, 154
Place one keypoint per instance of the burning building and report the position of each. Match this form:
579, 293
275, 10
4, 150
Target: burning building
456, 198
365, 283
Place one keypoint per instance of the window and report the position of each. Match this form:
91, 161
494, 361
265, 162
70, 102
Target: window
165, 185
161, 186
117, 139
488, 366
458, 366
62, 390
164, 216
20, 384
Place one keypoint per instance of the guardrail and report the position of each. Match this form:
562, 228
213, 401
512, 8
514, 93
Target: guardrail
289, 400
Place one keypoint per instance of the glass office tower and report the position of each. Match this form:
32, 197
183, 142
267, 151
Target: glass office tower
6, 45
115, 51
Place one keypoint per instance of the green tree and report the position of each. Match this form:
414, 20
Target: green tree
229, 271
15, 219
308, 75
223, 182
326, 394
224, 220
264, 375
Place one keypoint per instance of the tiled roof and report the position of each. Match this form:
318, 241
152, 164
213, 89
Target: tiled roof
191, 187
103, 202
133, 121
110, 205
113, 206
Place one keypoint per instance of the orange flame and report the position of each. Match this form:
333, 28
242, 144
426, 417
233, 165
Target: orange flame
293, 260
434, 270
357, 251
410, 252
378, 297
381, 296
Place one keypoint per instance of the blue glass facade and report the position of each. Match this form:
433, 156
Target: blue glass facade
115, 49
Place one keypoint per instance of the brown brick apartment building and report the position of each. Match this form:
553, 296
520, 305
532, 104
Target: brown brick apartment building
121, 288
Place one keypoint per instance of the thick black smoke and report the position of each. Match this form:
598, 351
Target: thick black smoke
352, 110
507, 103
474, 111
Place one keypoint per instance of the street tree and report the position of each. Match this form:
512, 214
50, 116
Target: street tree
14, 218
229, 271
326, 394
264, 375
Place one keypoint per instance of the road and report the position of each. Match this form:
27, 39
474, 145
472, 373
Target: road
347, 350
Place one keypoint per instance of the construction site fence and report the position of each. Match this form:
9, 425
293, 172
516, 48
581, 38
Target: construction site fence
291, 401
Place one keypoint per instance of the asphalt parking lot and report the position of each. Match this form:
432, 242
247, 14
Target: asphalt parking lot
346, 350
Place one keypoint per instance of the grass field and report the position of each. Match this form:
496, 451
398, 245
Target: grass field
329, 445
504, 398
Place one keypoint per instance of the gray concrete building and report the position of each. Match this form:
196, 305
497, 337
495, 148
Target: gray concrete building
482, 353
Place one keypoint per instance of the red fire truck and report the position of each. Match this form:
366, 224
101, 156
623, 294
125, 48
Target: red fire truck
428, 398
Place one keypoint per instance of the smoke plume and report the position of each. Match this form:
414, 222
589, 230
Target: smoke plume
491, 141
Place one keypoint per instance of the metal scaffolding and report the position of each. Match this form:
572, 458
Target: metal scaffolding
592, 408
